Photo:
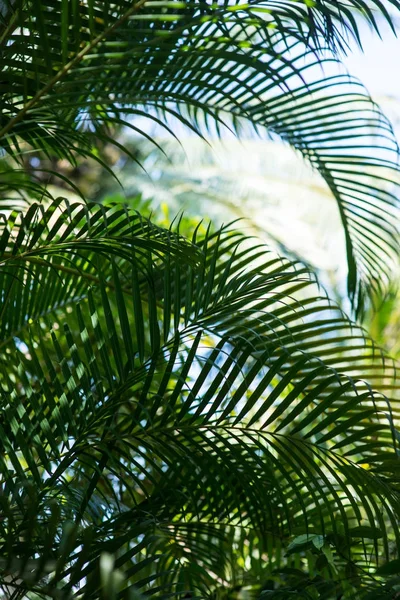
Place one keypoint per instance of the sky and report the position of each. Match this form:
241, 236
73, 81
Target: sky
378, 65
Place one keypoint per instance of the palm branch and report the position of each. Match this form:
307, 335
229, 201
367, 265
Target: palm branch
176, 410
73, 71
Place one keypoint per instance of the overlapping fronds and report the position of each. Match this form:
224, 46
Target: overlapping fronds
72, 71
215, 401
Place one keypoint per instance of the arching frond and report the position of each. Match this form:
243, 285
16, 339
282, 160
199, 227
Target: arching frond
69, 73
214, 398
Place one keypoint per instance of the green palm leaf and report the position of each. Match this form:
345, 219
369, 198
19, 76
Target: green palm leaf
79, 71
239, 422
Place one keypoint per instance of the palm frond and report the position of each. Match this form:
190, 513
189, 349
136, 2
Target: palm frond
71, 74
209, 397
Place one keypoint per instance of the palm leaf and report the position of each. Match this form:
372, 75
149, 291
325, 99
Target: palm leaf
78, 72
242, 415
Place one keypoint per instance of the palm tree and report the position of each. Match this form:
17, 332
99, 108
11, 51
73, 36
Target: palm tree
190, 415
